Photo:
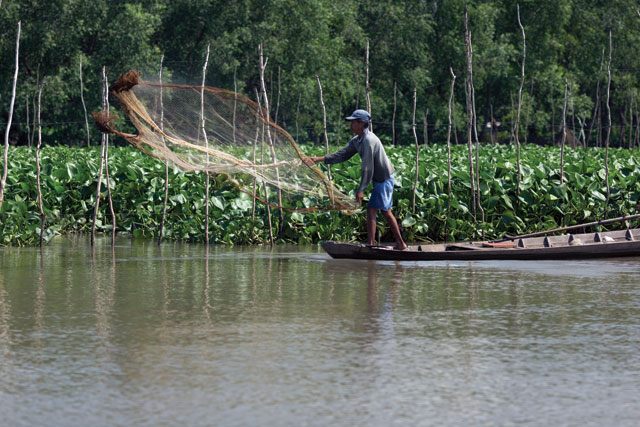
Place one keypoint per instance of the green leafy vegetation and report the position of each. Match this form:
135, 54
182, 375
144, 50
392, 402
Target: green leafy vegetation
137, 184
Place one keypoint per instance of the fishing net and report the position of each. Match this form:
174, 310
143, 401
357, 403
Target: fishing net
222, 132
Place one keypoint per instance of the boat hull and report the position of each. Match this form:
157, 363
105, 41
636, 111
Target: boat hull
583, 246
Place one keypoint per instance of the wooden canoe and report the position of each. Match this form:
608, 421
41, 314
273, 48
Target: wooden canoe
606, 244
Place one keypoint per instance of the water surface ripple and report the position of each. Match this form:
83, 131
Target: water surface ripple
181, 334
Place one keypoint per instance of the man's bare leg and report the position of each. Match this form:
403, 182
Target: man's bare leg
395, 229
371, 225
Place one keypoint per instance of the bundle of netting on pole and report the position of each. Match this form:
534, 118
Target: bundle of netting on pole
222, 132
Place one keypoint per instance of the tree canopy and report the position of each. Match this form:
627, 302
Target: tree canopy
413, 43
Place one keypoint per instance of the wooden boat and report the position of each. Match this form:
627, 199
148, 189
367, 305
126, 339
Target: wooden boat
607, 244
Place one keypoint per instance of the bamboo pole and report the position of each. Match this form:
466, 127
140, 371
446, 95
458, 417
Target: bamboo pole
393, 117
517, 130
275, 116
84, 106
340, 117
298, 116
43, 217
606, 155
106, 159
324, 126
100, 171
528, 115
468, 93
571, 227
26, 96
368, 89
206, 144
263, 65
453, 83
475, 134
5, 170
255, 180
264, 184
166, 162
425, 131
235, 103
564, 132
637, 133
630, 145
415, 138
597, 103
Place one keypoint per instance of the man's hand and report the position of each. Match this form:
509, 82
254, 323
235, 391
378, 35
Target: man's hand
359, 197
309, 161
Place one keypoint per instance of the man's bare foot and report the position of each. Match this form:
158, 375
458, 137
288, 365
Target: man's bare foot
401, 248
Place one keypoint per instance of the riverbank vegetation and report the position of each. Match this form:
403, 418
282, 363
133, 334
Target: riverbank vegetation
542, 120
137, 186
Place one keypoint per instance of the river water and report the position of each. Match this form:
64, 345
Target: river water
234, 336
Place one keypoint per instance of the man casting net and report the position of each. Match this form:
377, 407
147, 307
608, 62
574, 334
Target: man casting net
222, 132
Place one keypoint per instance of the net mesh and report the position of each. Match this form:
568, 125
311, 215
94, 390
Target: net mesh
222, 132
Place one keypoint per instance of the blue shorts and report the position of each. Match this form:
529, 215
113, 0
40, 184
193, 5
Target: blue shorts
382, 195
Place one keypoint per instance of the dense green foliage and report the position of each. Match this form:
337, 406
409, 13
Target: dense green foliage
413, 43
137, 182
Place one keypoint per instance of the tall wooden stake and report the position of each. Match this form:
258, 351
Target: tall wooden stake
106, 159
564, 132
166, 162
297, 116
453, 83
415, 138
475, 135
468, 91
5, 170
324, 125
100, 171
393, 117
426, 127
517, 129
606, 155
368, 89
206, 144
38, 147
263, 65
84, 106
597, 103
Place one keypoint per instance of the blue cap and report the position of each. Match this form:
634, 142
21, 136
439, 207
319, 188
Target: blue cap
361, 115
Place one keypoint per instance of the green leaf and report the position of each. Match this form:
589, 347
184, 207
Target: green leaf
408, 221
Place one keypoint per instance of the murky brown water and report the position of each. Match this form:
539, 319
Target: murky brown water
143, 335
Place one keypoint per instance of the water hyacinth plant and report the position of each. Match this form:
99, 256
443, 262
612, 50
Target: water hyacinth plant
137, 183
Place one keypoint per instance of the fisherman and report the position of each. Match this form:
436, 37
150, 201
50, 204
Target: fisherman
376, 167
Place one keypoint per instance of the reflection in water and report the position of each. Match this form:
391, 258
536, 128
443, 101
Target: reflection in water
184, 334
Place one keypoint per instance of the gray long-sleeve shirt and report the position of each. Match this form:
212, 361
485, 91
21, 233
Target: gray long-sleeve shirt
376, 166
